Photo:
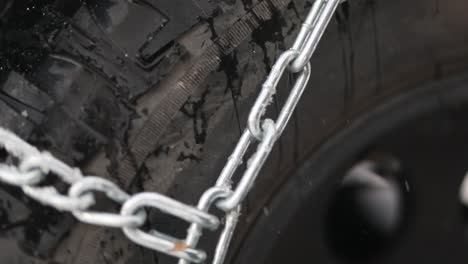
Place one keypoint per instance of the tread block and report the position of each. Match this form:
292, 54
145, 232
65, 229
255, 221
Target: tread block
86, 113
87, 42
159, 22
181, 15
130, 25
22, 90
14, 120
104, 38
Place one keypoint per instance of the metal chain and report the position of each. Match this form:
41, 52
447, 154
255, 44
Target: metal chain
34, 166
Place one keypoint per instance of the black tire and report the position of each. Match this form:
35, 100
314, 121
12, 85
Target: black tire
175, 138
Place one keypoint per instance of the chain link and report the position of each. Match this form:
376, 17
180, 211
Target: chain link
113, 192
34, 166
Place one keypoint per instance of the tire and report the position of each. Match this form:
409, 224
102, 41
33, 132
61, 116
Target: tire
167, 120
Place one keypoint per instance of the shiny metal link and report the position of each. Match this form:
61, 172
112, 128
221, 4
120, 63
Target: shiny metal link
165, 244
32, 169
293, 99
15, 146
226, 236
33, 166
161, 242
50, 196
253, 168
235, 160
207, 199
48, 163
113, 192
32, 159
308, 25
271, 131
265, 97
45, 163
312, 30
14, 176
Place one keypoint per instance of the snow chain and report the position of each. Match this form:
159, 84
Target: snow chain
34, 166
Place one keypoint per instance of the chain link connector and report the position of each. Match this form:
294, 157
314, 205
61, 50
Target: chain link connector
268, 91
308, 25
161, 242
253, 168
235, 160
225, 238
47, 163
50, 196
20, 149
293, 99
15, 146
207, 199
312, 31
89, 184
14, 176
275, 131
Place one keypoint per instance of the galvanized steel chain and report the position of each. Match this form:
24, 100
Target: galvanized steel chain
33, 166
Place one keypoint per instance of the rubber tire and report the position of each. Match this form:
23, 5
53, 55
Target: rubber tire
372, 52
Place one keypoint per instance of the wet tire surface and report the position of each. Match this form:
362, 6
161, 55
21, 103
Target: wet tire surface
70, 75
87, 77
